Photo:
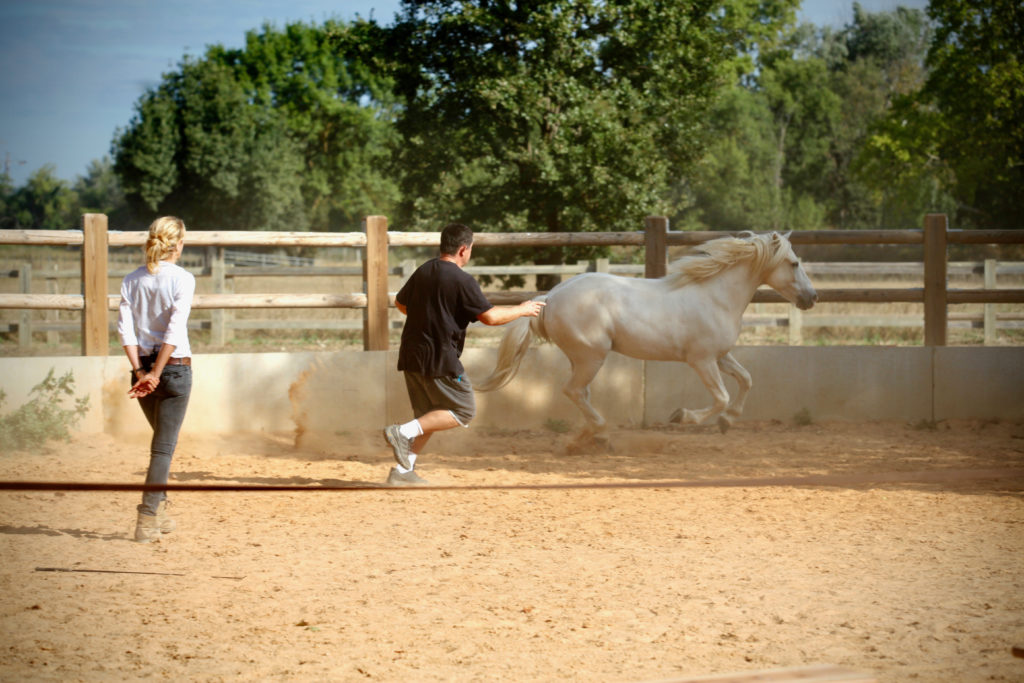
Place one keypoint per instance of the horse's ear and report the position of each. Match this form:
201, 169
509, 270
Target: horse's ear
787, 234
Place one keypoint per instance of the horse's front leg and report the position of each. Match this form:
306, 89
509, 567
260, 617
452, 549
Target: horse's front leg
729, 365
709, 374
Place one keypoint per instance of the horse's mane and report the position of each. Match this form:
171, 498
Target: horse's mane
710, 258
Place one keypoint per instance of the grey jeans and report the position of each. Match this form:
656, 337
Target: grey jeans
165, 411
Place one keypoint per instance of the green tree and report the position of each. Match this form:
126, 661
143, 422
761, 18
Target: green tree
291, 132
786, 136
734, 186
98, 190
6, 190
769, 158
804, 115
978, 51
43, 202
884, 60
559, 115
958, 142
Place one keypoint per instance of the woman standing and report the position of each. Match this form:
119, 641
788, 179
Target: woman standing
153, 326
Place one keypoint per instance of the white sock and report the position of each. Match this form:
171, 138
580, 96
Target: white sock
412, 462
411, 430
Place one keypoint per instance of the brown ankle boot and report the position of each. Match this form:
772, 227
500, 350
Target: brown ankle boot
163, 520
147, 529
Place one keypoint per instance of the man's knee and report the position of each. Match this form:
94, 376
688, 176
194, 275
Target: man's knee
463, 415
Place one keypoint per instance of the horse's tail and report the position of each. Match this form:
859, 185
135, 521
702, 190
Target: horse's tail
514, 345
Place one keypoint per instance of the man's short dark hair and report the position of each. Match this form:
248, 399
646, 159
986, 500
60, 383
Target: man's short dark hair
453, 236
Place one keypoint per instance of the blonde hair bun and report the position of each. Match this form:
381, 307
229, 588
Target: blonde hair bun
165, 234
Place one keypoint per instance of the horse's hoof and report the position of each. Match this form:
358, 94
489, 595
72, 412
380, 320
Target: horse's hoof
724, 423
676, 417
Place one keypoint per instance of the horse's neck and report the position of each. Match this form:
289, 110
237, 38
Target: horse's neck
733, 288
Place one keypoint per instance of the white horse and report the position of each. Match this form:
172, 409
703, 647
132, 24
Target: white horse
693, 315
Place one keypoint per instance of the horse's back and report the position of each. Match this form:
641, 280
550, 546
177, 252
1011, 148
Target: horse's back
637, 317
593, 291
588, 310
605, 283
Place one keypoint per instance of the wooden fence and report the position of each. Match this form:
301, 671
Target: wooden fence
375, 241
221, 269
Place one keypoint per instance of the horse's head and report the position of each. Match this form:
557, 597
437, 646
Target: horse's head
788, 277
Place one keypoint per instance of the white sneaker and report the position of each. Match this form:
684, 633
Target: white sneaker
410, 478
400, 445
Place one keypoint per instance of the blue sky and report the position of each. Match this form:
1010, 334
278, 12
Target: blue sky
72, 70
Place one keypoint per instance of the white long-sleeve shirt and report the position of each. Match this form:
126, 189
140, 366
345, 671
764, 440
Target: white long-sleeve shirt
154, 309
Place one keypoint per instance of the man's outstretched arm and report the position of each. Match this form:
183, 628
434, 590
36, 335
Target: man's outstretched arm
499, 315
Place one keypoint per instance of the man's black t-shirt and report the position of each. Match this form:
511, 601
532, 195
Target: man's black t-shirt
440, 299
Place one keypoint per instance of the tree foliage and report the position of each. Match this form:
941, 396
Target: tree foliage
47, 202
979, 49
575, 115
961, 135
786, 137
558, 115
43, 202
290, 132
99, 190
6, 190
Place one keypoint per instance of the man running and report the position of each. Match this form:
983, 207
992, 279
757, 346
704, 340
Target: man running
439, 301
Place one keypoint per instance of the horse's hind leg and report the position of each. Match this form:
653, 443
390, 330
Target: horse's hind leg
729, 365
584, 369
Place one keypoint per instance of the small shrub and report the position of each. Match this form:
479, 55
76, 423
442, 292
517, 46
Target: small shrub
557, 426
44, 417
803, 418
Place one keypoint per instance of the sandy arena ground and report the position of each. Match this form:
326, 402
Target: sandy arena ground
881, 548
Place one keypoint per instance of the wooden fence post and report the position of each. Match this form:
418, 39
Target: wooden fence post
991, 330
375, 264
215, 257
95, 334
25, 320
935, 225
796, 326
656, 246
52, 317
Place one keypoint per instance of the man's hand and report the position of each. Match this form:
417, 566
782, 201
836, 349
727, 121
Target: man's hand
531, 309
499, 315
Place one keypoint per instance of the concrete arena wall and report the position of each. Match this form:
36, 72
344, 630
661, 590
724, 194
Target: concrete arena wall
328, 394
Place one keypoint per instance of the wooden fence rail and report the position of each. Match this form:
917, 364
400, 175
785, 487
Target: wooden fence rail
221, 325
835, 269
375, 241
